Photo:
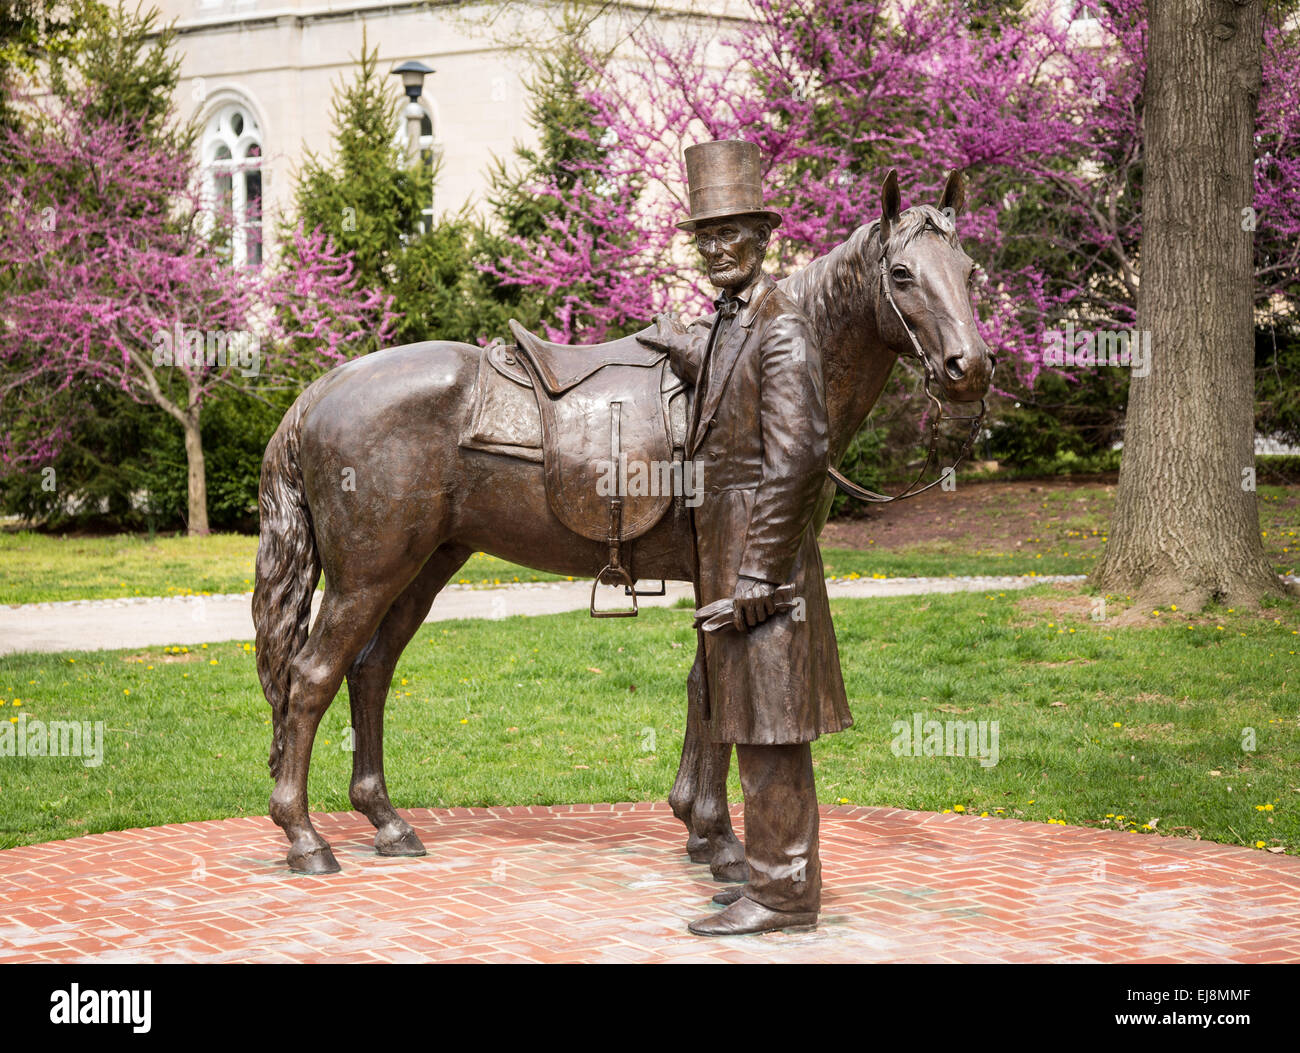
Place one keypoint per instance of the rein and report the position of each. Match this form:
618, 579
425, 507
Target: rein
851, 488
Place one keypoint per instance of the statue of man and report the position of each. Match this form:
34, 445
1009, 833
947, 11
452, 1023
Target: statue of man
759, 442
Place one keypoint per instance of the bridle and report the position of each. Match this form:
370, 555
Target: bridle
851, 488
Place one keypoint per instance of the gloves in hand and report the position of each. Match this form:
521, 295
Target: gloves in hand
753, 603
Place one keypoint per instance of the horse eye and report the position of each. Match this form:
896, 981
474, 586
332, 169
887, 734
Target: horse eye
901, 274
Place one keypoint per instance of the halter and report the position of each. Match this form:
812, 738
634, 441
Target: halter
851, 488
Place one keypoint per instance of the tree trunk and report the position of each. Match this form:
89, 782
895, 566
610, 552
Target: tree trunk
198, 479
1186, 524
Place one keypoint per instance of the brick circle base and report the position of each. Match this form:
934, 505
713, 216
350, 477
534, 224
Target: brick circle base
611, 883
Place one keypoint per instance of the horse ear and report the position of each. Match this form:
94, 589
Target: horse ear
889, 205
954, 194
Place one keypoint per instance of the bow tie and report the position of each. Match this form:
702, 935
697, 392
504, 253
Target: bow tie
727, 307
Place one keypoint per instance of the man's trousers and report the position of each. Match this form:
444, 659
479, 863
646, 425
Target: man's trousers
781, 845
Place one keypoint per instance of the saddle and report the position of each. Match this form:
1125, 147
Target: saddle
610, 421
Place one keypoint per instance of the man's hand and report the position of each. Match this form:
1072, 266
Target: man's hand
669, 336
753, 603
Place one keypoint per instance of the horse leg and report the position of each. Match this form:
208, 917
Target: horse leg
681, 798
711, 819
369, 679
344, 623
699, 795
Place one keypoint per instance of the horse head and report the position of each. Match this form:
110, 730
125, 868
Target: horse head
924, 308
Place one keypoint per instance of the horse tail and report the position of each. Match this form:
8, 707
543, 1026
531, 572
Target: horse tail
288, 568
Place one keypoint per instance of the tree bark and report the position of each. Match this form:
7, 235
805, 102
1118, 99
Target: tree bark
1186, 525
198, 479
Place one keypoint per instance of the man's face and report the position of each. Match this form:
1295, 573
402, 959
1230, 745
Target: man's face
732, 249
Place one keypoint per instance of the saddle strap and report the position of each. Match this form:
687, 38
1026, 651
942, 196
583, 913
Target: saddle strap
614, 537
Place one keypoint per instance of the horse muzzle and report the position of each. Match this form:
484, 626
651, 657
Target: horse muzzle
966, 375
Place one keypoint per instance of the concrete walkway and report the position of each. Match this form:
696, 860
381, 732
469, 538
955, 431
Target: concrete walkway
94, 625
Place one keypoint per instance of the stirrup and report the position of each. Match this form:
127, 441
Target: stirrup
629, 589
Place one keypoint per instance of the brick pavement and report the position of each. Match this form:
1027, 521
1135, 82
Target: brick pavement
610, 883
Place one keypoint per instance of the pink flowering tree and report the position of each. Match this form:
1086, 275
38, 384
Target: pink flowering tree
118, 277
1043, 113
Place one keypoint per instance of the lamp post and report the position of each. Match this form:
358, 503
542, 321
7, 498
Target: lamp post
413, 73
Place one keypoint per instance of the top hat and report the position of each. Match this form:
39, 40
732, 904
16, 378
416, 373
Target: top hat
724, 180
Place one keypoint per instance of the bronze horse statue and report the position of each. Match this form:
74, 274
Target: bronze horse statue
365, 480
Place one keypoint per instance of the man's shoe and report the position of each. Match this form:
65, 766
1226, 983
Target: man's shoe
745, 916
728, 896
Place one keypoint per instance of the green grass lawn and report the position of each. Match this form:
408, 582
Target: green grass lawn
1095, 722
35, 568
1069, 536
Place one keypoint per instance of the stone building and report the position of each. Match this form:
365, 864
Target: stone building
260, 75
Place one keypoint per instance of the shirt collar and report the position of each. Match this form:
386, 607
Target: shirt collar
745, 294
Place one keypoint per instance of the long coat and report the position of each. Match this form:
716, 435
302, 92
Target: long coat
759, 442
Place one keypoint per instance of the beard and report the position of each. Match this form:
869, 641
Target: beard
727, 275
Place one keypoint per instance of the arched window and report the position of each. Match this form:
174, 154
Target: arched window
232, 160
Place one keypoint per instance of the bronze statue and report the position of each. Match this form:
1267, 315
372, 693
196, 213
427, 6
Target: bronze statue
391, 470
760, 432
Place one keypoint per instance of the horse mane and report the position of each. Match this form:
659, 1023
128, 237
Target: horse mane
841, 284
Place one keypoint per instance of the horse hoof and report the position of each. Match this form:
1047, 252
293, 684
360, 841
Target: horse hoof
402, 844
314, 861
737, 871
697, 848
